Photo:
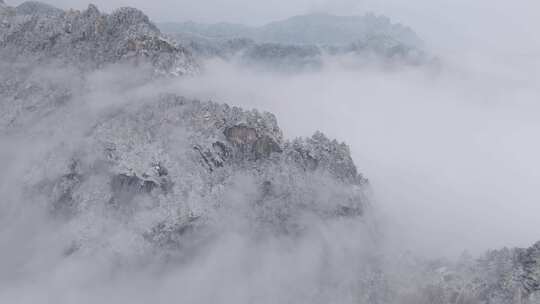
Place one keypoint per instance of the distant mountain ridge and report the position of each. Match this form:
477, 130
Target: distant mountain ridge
319, 29
303, 43
172, 175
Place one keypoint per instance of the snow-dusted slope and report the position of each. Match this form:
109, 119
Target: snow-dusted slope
506, 276
89, 39
120, 170
135, 145
104, 171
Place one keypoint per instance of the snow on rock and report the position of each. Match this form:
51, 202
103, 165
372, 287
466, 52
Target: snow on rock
90, 39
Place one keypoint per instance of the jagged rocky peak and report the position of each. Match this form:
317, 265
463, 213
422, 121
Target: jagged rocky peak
90, 39
319, 151
201, 159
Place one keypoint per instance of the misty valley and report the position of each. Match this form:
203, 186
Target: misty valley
317, 158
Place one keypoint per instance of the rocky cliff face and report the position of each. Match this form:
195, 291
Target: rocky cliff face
185, 166
195, 160
89, 39
155, 175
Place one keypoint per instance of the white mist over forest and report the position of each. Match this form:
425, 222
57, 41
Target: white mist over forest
449, 152
155, 198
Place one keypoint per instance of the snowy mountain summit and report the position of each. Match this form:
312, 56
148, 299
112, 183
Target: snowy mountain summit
178, 163
112, 179
89, 38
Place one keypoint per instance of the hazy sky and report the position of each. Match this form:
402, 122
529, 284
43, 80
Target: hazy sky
490, 24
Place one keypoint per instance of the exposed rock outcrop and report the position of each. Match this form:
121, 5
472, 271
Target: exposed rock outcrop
194, 167
89, 39
168, 173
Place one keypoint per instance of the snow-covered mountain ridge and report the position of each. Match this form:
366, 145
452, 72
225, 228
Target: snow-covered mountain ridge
89, 39
109, 168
